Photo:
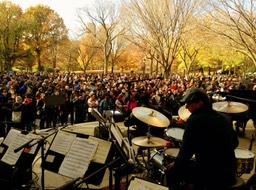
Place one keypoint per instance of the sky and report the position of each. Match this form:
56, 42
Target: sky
65, 8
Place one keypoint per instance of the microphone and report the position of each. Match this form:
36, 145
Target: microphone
26, 145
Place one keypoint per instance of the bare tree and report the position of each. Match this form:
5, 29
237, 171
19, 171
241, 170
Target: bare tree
235, 21
159, 25
104, 16
188, 55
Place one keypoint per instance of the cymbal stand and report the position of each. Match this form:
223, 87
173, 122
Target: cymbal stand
252, 139
147, 163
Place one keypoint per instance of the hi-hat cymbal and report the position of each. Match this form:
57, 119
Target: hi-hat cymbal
149, 142
229, 107
151, 117
184, 113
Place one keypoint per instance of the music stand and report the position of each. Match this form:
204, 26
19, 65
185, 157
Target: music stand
95, 113
102, 130
138, 183
81, 156
21, 156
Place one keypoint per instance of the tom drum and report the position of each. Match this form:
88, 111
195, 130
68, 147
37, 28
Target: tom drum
175, 135
245, 160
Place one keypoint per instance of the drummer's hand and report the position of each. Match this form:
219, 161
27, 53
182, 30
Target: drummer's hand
169, 166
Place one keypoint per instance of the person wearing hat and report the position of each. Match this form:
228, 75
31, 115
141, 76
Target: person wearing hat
209, 135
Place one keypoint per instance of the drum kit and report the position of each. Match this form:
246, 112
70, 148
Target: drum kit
154, 118
160, 157
151, 118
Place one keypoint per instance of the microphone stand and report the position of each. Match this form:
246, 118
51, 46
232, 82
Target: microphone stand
252, 139
41, 143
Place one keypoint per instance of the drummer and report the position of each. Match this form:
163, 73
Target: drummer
209, 136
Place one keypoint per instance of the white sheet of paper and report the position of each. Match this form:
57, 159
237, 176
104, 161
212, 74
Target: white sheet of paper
102, 150
62, 142
77, 160
10, 157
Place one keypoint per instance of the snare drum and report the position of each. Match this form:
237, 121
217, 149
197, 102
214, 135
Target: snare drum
171, 154
175, 135
245, 160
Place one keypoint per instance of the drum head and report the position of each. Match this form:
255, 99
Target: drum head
176, 133
243, 153
172, 152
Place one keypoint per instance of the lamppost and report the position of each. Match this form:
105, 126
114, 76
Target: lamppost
243, 69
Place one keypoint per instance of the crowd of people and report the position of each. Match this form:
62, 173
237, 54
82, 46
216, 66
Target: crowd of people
25, 97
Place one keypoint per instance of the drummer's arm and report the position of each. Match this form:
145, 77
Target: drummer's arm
170, 165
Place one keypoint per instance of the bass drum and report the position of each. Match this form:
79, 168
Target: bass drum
157, 168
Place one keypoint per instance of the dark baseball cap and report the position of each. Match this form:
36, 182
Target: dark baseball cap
194, 95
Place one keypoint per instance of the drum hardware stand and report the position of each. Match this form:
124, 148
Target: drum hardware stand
252, 139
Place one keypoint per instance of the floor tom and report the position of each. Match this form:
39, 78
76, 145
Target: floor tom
245, 160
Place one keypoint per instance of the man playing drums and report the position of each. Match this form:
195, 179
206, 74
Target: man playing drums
209, 136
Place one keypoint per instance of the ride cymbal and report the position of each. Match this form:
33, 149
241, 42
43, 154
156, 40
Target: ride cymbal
229, 107
184, 113
151, 117
149, 142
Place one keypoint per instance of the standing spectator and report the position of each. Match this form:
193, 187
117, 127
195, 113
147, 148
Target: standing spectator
29, 113
106, 104
92, 103
79, 106
18, 111
6, 106
120, 104
66, 110
41, 113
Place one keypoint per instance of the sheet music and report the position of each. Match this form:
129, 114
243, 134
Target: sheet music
139, 184
102, 150
62, 142
11, 135
10, 157
77, 160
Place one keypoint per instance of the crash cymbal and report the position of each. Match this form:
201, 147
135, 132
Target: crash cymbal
184, 113
229, 107
151, 117
149, 142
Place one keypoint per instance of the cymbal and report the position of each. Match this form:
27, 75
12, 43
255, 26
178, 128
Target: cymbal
149, 142
151, 117
229, 107
184, 113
